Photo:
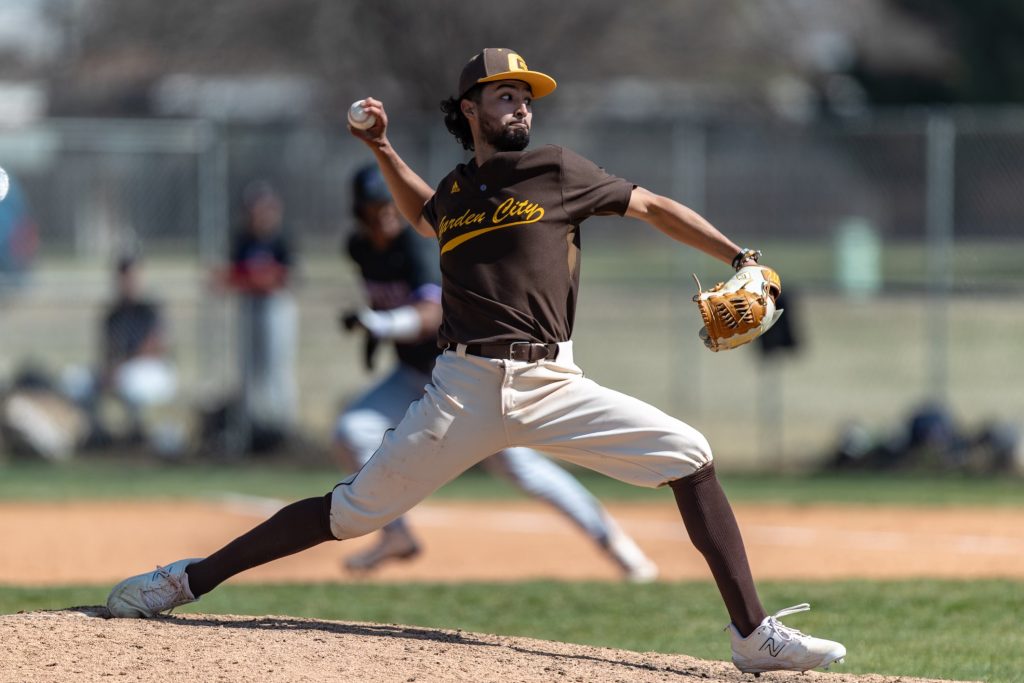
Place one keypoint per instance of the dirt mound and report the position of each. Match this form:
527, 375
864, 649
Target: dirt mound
77, 644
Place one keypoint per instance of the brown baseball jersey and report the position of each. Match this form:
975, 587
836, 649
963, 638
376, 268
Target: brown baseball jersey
509, 235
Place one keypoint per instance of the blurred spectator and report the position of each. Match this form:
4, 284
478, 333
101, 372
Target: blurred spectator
18, 238
785, 335
261, 271
133, 367
37, 420
930, 440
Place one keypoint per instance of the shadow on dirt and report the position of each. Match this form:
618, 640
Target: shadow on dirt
295, 624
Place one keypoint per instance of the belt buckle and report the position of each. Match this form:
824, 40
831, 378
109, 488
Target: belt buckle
512, 350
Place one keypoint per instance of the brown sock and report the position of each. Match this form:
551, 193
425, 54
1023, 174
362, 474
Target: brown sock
712, 527
292, 529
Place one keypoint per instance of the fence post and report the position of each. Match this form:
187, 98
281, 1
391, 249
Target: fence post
212, 244
940, 189
688, 145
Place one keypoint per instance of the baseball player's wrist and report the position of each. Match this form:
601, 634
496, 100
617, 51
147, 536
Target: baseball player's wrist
381, 148
746, 257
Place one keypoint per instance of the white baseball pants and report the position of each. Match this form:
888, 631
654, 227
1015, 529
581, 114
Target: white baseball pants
475, 406
360, 428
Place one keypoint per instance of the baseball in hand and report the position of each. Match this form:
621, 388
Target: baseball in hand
358, 118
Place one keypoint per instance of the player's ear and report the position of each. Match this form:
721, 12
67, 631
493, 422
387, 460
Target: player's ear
468, 108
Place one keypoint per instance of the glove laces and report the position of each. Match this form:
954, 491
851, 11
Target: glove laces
786, 632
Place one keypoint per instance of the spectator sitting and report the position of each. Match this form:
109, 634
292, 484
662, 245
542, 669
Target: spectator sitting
133, 366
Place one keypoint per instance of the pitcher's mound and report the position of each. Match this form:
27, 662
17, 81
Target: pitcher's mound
78, 643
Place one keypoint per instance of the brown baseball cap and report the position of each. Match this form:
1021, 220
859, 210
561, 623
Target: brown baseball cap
502, 64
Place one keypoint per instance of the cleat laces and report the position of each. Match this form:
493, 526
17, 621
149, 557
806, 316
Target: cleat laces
784, 632
161, 594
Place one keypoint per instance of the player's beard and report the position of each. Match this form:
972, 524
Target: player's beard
506, 138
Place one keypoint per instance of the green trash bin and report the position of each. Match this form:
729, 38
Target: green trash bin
858, 258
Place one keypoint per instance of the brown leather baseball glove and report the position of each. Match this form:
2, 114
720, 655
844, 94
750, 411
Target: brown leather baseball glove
740, 309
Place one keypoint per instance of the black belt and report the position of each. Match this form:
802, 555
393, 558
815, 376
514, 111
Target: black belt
521, 351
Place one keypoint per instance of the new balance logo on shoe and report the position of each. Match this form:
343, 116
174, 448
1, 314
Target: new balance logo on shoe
773, 648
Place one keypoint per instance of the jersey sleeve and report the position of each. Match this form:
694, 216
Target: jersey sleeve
587, 190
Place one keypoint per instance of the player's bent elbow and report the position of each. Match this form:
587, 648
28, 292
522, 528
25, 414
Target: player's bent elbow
424, 229
655, 209
641, 202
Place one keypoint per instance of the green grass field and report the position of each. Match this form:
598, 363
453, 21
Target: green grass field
964, 630
105, 478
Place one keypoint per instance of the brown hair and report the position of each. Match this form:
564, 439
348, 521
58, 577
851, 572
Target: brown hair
455, 121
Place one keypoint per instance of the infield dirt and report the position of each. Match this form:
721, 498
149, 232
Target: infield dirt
78, 644
104, 541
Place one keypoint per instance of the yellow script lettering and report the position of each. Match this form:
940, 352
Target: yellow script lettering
467, 218
525, 210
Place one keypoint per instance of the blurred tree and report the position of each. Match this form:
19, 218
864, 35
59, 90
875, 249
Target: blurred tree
652, 53
427, 49
405, 48
409, 52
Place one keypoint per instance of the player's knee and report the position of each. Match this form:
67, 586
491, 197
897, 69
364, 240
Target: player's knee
694, 448
344, 527
350, 520
686, 453
702, 451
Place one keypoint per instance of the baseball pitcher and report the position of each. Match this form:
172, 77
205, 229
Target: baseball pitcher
399, 274
508, 226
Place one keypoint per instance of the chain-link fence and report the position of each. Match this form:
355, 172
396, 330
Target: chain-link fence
896, 235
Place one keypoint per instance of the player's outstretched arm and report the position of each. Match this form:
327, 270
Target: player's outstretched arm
409, 190
682, 224
409, 323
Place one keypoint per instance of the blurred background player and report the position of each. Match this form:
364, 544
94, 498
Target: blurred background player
19, 239
134, 365
400, 275
261, 271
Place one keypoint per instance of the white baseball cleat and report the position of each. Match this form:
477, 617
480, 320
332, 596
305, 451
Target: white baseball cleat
773, 646
636, 566
147, 595
393, 545
642, 572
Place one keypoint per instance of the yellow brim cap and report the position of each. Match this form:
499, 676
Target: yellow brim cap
502, 64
